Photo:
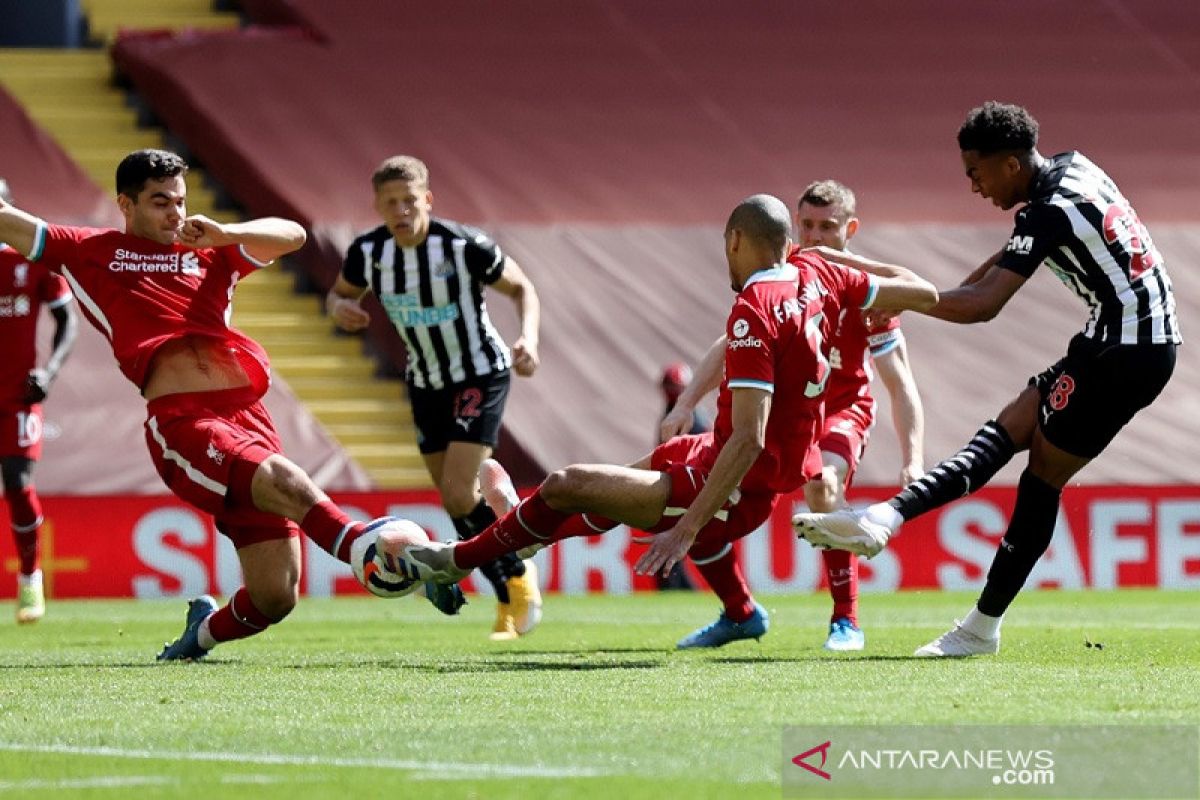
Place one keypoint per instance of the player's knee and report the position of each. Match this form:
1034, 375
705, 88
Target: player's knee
17, 474
458, 498
560, 486
821, 493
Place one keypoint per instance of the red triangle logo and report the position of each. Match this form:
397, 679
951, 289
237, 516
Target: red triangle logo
823, 749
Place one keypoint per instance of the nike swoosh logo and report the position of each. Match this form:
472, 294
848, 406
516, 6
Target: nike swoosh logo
839, 583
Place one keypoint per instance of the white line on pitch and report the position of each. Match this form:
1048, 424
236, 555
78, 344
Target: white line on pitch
98, 782
462, 768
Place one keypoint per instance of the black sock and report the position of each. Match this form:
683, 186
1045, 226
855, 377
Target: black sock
964, 472
1028, 535
499, 571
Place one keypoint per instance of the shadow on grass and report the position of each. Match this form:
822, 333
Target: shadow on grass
817, 658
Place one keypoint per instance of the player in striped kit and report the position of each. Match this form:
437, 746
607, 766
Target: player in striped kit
24, 289
430, 275
1075, 220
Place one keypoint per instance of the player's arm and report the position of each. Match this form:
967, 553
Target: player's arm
908, 416
981, 300
705, 378
514, 283
751, 409
978, 273
264, 239
66, 328
897, 288
344, 304
19, 230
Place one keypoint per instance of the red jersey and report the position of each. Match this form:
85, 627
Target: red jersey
851, 349
776, 333
141, 294
24, 289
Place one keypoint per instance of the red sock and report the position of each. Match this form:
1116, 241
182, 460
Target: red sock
25, 512
332, 529
531, 522
725, 577
238, 619
841, 568
584, 525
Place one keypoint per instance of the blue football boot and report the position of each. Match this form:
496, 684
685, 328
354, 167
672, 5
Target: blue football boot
725, 630
845, 635
187, 647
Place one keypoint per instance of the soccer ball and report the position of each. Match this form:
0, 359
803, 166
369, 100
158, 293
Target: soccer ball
377, 557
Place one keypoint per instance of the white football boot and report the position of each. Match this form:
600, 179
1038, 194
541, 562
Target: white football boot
959, 642
853, 531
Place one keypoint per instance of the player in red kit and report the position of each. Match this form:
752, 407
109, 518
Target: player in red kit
160, 293
825, 215
701, 493
25, 289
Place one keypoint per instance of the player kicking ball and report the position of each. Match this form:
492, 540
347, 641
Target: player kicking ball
159, 291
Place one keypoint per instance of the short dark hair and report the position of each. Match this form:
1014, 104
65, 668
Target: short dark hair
146, 165
765, 219
828, 193
995, 127
400, 168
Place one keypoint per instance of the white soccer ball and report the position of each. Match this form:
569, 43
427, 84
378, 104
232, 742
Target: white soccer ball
377, 557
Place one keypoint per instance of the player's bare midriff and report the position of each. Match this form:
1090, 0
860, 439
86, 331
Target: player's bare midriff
193, 364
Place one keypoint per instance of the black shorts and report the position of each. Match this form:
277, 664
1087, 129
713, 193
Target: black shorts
464, 412
1096, 389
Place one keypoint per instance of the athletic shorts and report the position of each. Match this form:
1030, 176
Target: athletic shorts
1096, 389
845, 435
195, 441
21, 431
687, 460
465, 412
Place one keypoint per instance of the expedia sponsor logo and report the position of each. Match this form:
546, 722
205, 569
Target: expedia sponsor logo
745, 341
152, 263
1021, 245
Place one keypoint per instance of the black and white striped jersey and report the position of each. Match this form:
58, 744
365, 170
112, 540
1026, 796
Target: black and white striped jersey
1079, 224
433, 294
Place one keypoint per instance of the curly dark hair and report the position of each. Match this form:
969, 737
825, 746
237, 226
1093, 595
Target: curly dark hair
995, 127
144, 165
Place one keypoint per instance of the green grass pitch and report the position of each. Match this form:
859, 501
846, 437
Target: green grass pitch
368, 698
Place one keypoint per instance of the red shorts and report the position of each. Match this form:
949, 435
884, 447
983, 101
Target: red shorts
688, 460
196, 439
845, 434
21, 431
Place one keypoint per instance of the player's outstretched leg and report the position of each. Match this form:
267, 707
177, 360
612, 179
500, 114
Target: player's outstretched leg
725, 630
187, 646
864, 533
523, 611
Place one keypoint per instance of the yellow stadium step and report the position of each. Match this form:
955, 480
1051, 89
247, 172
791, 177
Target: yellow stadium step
360, 432
71, 94
401, 477
329, 389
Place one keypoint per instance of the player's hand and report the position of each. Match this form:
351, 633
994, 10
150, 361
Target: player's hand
677, 422
200, 231
667, 550
876, 318
525, 357
37, 385
910, 473
348, 314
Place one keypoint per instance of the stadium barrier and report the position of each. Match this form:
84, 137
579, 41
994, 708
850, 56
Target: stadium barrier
1107, 537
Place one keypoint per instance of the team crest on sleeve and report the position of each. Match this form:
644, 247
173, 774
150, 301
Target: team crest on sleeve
740, 328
